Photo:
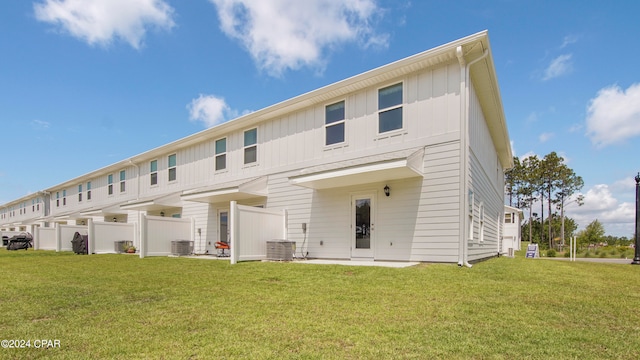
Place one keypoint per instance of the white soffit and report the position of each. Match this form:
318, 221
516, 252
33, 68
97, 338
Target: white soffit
237, 190
376, 169
152, 204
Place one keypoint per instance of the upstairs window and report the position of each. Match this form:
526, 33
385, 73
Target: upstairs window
123, 177
80, 193
508, 218
334, 123
172, 167
89, 190
110, 184
250, 146
64, 197
390, 108
153, 172
221, 154
57, 198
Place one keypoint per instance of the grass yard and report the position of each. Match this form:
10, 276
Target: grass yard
121, 306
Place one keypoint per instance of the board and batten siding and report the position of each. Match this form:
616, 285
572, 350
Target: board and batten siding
296, 140
99, 192
487, 183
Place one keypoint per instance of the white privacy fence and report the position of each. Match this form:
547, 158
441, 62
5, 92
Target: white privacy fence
251, 228
159, 233
45, 239
57, 238
104, 235
154, 238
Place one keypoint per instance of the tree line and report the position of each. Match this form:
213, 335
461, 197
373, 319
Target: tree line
551, 183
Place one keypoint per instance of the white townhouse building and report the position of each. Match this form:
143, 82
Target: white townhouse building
403, 162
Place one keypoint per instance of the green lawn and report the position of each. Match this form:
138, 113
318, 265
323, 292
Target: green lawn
121, 306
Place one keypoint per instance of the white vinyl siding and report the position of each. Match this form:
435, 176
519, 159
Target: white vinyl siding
487, 182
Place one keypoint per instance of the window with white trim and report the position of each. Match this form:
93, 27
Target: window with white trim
110, 184
80, 193
250, 146
153, 172
57, 198
123, 178
390, 108
64, 197
221, 154
88, 190
334, 123
172, 167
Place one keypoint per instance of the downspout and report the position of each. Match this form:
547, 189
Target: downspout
464, 144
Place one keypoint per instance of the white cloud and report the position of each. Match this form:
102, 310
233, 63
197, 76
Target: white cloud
575, 128
211, 110
544, 137
600, 203
568, 40
533, 117
614, 115
101, 21
40, 125
558, 67
289, 34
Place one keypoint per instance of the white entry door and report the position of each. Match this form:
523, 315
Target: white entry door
363, 226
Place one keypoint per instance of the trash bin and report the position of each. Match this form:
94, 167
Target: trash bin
280, 250
181, 247
5, 240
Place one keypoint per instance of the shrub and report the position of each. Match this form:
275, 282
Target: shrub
567, 254
551, 253
603, 254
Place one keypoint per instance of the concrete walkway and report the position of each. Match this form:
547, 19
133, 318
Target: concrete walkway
390, 264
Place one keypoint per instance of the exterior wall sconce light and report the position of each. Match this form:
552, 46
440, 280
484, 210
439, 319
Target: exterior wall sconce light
162, 213
114, 219
387, 190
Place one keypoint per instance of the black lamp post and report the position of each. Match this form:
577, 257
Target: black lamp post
636, 259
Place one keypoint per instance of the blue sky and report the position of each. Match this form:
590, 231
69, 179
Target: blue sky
87, 83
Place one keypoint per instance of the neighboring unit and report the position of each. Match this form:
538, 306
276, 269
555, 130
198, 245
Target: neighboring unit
512, 235
404, 162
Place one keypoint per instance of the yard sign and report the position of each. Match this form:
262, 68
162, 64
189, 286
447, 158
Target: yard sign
532, 251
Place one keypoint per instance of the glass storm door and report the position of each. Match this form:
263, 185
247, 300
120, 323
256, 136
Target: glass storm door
223, 226
362, 226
